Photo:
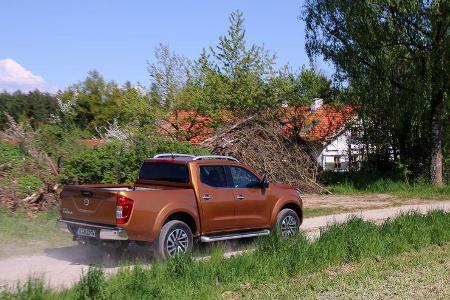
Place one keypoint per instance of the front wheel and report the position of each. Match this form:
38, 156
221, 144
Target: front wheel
288, 223
175, 238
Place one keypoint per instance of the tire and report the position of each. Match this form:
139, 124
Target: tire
175, 238
288, 223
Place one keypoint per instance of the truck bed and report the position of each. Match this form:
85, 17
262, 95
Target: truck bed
97, 203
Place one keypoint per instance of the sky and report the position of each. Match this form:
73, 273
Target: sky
50, 45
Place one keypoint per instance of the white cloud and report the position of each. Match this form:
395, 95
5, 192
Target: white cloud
15, 77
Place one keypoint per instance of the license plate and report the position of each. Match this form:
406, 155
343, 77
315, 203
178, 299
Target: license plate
86, 232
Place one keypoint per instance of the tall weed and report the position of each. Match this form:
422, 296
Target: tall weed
273, 258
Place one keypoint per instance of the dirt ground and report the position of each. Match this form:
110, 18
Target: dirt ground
314, 205
356, 202
62, 266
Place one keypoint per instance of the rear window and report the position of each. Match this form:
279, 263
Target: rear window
160, 171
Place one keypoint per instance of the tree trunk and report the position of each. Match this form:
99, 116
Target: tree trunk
437, 106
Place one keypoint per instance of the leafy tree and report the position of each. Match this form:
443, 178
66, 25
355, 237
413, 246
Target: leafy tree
244, 68
35, 106
94, 104
300, 88
169, 75
291, 94
396, 56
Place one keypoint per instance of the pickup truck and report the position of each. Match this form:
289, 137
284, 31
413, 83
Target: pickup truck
178, 198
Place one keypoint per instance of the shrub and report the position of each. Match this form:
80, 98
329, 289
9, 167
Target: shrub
115, 162
91, 285
10, 154
27, 184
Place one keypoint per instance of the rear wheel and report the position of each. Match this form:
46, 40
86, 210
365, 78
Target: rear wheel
175, 238
288, 223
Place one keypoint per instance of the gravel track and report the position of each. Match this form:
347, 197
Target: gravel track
62, 267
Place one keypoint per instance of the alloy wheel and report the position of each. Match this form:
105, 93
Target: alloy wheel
288, 226
177, 242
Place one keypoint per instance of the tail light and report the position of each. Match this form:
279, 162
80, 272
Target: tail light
124, 206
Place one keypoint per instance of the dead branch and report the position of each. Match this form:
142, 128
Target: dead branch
260, 145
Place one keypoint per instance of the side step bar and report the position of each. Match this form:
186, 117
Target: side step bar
232, 236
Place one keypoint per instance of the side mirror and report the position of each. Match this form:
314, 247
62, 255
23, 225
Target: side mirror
265, 182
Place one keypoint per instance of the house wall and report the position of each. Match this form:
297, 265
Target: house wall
334, 156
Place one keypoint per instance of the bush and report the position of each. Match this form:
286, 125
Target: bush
27, 184
91, 286
11, 154
115, 162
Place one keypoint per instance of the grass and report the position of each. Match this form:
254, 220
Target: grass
324, 211
20, 234
366, 181
396, 188
28, 184
422, 274
274, 260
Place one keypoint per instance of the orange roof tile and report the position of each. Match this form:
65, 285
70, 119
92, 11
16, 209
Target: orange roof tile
187, 125
318, 125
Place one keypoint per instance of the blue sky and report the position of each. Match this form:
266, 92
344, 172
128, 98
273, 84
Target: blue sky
55, 43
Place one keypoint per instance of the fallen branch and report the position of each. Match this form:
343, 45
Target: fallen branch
258, 144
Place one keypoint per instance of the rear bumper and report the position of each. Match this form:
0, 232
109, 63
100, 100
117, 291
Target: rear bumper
104, 233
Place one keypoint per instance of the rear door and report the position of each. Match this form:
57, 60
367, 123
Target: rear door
216, 199
93, 205
252, 208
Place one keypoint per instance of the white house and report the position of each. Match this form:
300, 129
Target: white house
332, 132
341, 153
341, 148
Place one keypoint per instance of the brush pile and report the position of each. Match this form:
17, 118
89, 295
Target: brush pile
27, 174
267, 150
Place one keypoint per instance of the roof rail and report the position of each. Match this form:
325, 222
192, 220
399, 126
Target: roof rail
193, 157
173, 155
215, 157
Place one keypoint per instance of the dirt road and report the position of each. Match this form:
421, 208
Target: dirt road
62, 267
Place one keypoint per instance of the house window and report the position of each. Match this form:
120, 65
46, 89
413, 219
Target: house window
337, 163
355, 135
353, 162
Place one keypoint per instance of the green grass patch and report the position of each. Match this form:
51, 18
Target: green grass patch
273, 260
10, 154
370, 181
422, 274
396, 188
28, 184
323, 211
22, 234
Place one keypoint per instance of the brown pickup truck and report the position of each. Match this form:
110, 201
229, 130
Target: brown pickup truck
178, 198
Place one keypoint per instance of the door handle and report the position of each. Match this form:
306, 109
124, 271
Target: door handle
206, 197
240, 197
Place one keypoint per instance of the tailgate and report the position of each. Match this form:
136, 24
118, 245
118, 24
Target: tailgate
89, 204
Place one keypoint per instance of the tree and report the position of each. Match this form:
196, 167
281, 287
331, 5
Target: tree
35, 106
244, 68
169, 74
299, 88
291, 94
94, 104
396, 56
